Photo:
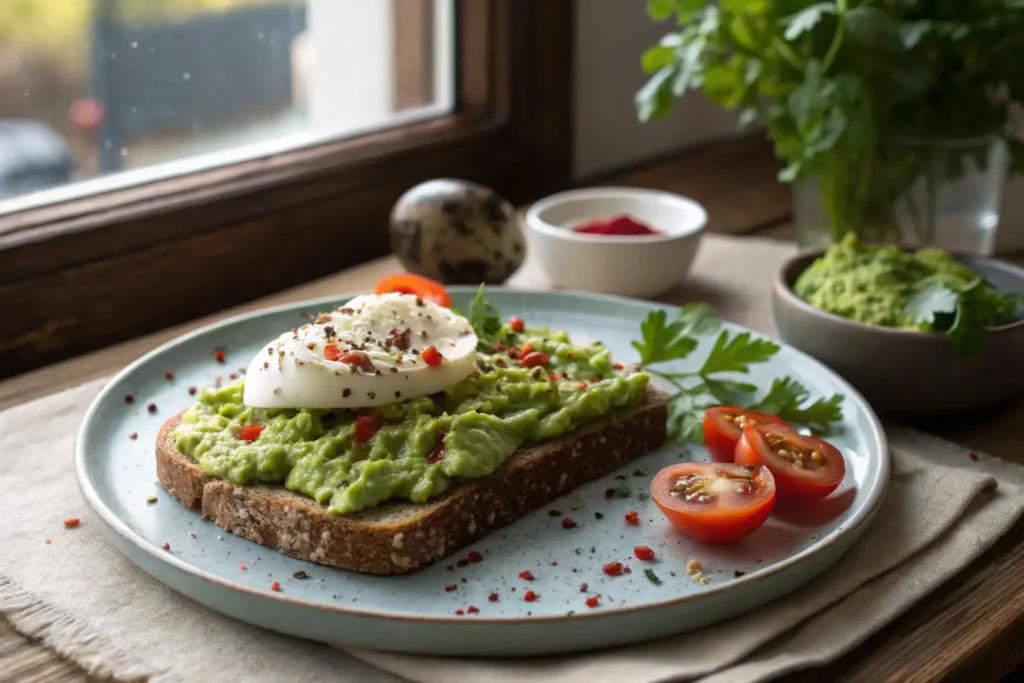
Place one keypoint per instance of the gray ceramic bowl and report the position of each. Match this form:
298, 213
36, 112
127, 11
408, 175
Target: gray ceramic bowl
900, 371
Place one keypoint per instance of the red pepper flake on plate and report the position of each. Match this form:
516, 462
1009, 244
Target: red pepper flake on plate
47, 541
568, 524
151, 407
233, 375
529, 596
475, 556
583, 587
276, 586
243, 567
192, 391
593, 601
526, 575
459, 613
632, 517
472, 610
644, 553
493, 597
166, 546
218, 354
169, 374
583, 385
617, 366
133, 436
129, 398
973, 456
451, 587
612, 568
554, 563
72, 522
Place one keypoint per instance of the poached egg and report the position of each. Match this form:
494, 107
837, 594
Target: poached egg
376, 349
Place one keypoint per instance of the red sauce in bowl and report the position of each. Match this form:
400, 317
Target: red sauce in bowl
618, 226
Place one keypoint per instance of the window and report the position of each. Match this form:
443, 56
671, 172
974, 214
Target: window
115, 87
260, 143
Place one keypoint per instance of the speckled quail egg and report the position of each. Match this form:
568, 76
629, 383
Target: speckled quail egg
457, 232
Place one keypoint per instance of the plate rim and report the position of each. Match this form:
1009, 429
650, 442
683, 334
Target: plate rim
116, 525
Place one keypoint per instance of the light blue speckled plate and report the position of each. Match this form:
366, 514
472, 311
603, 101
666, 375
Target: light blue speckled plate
415, 613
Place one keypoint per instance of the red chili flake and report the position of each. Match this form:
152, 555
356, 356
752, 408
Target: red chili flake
219, 355
609, 494
130, 398
359, 360
537, 359
526, 575
432, 356
72, 522
972, 455
192, 391
596, 378
251, 432
554, 564
618, 366
167, 547
151, 407
627, 570
612, 568
644, 553
439, 451
564, 374
493, 597
583, 587
583, 385
451, 587
475, 556
243, 567
462, 563
366, 427
276, 586
169, 374
459, 613
593, 601
133, 436
472, 610
233, 375
529, 596
554, 513
47, 541
516, 324
568, 524
632, 517
332, 352
552, 376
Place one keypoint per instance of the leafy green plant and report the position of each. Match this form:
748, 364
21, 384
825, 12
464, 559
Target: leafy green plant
843, 86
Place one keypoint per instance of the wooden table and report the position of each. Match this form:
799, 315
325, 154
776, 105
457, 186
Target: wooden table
971, 629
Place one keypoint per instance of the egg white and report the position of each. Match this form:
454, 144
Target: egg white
292, 372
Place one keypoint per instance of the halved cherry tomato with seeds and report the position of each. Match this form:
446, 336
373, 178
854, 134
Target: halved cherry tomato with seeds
423, 287
805, 468
714, 502
723, 427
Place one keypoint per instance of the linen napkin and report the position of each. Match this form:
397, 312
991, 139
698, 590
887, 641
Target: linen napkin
85, 600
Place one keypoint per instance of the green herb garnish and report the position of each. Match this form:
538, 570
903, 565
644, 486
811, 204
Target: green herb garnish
733, 353
962, 311
484, 318
622, 491
652, 577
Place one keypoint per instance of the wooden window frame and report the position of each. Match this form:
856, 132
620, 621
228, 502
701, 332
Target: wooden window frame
86, 273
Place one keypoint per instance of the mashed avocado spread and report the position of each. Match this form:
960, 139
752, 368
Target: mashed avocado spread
872, 284
480, 421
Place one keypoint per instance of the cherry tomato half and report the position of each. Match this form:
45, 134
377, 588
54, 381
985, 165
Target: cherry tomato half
806, 468
408, 283
723, 427
714, 502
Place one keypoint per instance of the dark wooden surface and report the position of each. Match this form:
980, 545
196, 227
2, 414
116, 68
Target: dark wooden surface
84, 274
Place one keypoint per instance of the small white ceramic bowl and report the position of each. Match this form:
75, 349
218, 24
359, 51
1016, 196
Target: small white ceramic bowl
638, 266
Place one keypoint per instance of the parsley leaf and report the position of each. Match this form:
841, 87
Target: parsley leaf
652, 577
665, 341
786, 398
963, 311
484, 318
622, 491
738, 353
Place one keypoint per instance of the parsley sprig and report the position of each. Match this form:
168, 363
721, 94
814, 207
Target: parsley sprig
963, 311
664, 340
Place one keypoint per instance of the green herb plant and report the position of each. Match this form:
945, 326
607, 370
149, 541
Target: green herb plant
849, 90
671, 340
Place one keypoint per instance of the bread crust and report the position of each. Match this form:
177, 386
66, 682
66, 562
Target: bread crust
400, 537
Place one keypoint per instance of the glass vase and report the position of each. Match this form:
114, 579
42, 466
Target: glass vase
943, 193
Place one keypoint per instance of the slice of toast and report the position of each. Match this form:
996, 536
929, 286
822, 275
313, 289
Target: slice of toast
400, 537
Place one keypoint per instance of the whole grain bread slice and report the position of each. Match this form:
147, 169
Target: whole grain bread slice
396, 538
